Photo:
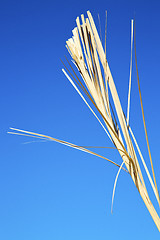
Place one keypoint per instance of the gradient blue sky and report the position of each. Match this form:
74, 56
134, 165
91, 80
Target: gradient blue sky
49, 191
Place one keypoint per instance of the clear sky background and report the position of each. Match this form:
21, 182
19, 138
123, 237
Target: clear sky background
49, 191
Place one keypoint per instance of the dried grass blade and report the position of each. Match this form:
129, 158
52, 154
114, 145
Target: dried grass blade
106, 36
144, 164
45, 137
144, 122
130, 74
26, 135
100, 26
115, 183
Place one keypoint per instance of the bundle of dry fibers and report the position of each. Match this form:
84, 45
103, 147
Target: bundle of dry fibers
96, 84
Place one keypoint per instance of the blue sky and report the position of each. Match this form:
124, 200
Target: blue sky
49, 191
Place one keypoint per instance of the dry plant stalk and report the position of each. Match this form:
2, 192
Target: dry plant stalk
86, 50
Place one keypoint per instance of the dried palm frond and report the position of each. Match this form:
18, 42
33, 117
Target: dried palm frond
86, 50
